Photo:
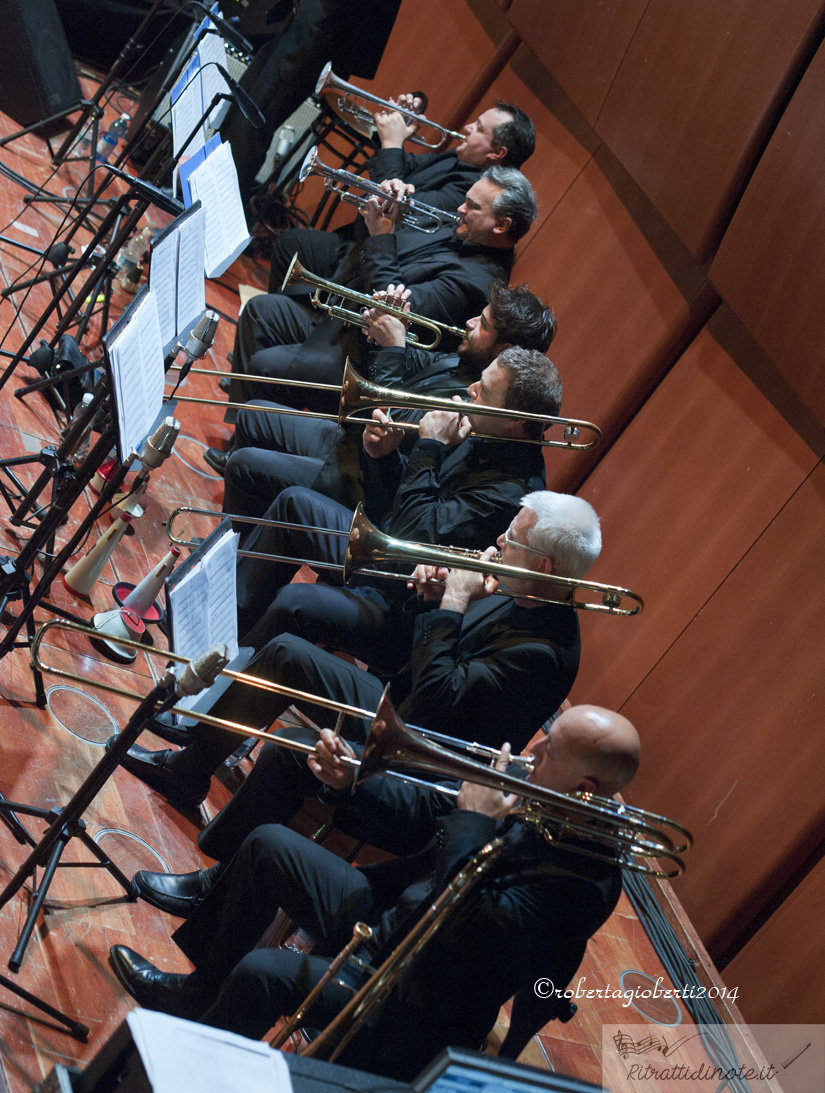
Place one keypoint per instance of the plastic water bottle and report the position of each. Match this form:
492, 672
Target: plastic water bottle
111, 138
130, 258
81, 449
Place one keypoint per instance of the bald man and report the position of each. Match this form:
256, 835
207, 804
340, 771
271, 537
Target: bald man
530, 916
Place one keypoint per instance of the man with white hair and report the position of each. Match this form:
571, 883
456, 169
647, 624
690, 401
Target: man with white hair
464, 661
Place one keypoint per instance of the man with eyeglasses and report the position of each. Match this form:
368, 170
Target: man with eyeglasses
467, 662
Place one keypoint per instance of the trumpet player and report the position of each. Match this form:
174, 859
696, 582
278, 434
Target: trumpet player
503, 136
447, 274
530, 916
273, 451
461, 660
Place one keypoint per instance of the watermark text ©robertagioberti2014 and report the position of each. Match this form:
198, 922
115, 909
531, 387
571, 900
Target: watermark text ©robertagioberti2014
545, 988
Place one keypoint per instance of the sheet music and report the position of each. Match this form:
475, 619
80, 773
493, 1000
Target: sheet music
163, 268
187, 108
213, 49
215, 184
191, 258
204, 604
136, 355
176, 274
178, 1054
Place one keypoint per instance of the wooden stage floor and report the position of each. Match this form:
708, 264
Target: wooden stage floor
46, 753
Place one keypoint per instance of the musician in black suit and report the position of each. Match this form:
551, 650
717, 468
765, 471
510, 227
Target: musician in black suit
462, 661
274, 451
503, 136
448, 274
530, 916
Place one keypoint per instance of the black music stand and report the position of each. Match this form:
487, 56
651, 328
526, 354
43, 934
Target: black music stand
15, 576
66, 823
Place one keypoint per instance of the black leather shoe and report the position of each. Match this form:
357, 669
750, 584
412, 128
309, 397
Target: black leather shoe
164, 726
152, 768
154, 989
225, 384
176, 893
216, 459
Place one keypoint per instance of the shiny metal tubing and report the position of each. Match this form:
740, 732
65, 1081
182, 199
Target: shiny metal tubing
619, 829
363, 121
297, 275
335, 180
259, 684
366, 546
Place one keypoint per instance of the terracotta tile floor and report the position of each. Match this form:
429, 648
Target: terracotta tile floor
42, 762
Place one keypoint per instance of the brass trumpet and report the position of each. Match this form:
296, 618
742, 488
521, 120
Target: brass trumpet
363, 122
297, 275
337, 181
367, 546
358, 394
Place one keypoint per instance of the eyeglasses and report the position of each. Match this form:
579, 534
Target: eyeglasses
521, 546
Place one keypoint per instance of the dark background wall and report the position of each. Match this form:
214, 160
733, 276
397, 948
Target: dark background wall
681, 237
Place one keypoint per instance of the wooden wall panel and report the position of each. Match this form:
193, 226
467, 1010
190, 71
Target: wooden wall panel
619, 311
438, 46
563, 146
580, 45
731, 719
769, 267
696, 94
774, 970
682, 495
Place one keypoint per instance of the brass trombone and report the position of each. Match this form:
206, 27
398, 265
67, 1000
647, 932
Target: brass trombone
336, 181
363, 122
367, 546
618, 833
472, 747
357, 394
298, 275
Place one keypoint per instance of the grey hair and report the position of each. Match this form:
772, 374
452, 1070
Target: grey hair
516, 199
566, 530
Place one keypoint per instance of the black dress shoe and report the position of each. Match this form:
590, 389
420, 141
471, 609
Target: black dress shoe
154, 989
153, 769
216, 459
225, 384
176, 893
164, 726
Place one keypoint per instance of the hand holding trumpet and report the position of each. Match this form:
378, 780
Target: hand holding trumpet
383, 329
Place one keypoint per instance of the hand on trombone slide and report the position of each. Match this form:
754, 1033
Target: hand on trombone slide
326, 763
381, 439
487, 800
446, 427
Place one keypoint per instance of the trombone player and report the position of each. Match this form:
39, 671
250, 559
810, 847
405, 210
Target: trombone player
530, 916
274, 451
461, 660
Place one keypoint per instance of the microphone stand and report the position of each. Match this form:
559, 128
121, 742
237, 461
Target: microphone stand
120, 221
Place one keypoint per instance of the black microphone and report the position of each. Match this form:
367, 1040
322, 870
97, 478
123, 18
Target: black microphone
226, 30
246, 104
149, 192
